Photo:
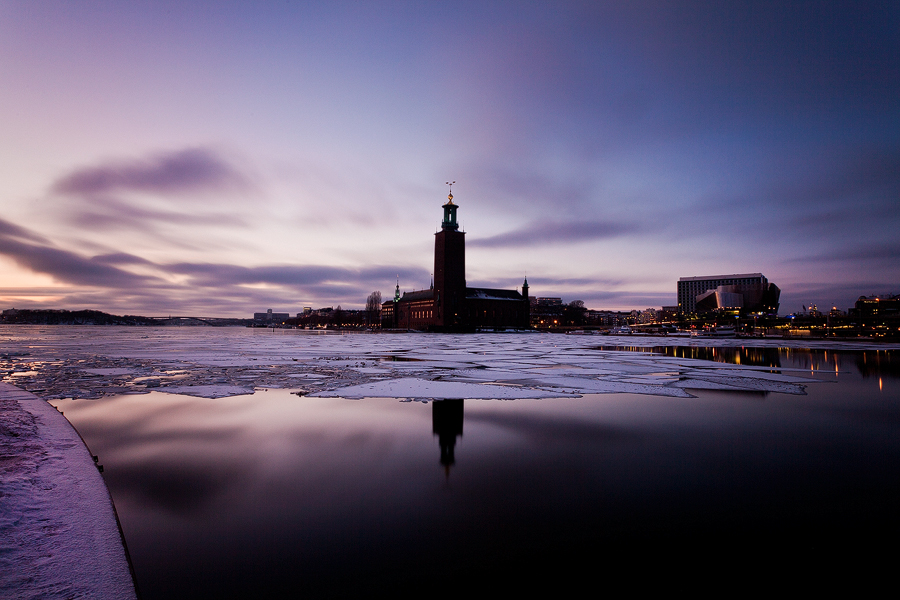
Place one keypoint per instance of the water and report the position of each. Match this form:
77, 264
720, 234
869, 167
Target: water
274, 495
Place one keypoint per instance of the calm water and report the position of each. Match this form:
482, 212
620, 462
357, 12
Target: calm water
275, 495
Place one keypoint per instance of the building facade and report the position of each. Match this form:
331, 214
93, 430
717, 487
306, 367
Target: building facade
271, 317
449, 305
747, 293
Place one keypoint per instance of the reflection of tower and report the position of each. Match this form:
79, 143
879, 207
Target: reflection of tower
447, 423
449, 269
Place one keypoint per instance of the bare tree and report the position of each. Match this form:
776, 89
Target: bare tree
373, 308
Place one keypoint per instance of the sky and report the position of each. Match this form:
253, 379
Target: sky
222, 158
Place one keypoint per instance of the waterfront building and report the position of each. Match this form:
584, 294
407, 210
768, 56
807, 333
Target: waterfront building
746, 293
271, 317
877, 306
449, 304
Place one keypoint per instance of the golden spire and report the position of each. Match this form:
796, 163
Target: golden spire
450, 195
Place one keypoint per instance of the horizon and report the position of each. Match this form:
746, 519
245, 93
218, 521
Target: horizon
220, 158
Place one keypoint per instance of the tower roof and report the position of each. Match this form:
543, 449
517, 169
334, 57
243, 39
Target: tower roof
449, 221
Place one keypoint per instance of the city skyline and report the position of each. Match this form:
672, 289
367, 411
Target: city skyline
221, 158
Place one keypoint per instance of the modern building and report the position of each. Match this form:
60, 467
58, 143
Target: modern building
449, 305
270, 317
746, 293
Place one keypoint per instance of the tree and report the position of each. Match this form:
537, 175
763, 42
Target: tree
373, 308
573, 313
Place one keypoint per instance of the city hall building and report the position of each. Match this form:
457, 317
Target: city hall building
449, 305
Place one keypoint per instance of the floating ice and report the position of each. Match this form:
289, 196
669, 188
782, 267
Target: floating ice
90, 362
422, 389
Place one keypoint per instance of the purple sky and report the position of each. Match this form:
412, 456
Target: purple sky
222, 158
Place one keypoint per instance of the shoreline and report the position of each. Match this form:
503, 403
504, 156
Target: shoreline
59, 533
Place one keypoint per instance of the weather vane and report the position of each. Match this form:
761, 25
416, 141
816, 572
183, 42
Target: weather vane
450, 196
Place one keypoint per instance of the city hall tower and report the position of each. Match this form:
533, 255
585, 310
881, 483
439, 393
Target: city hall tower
449, 269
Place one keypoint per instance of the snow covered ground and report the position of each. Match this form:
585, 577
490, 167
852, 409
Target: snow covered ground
58, 532
91, 362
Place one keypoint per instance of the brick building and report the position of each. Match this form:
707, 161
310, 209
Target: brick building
449, 305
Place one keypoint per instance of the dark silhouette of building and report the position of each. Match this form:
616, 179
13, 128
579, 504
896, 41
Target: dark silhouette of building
877, 306
449, 305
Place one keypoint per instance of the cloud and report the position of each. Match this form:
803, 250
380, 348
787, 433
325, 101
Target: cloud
295, 276
108, 213
859, 254
152, 195
62, 265
837, 194
120, 258
184, 171
105, 281
845, 177
555, 233
11, 231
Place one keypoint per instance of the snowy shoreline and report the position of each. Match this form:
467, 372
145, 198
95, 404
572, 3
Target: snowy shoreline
59, 537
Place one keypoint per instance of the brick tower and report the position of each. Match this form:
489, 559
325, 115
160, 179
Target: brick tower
449, 271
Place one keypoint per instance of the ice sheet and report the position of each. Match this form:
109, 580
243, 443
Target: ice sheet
423, 389
90, 362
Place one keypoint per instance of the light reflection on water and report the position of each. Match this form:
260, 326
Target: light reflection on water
275, 495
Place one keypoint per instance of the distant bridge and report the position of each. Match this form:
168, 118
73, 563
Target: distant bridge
179, 320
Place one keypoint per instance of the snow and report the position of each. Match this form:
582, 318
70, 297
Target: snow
59, 537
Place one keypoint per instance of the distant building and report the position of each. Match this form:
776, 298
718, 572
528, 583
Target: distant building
667, 313
646, 316
449, 305
271, 317
747, 293
877, 306
546, 301
546, 312
608, 318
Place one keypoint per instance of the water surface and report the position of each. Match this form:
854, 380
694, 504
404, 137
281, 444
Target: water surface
276, 495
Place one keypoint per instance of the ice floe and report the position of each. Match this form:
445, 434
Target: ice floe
91, 362
423, 389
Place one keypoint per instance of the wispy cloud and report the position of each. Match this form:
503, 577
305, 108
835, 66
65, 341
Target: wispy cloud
11, 231
62, 265
865, 252
110, 213
154, 194
183, 171
555, 233
295, 276
106, 280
